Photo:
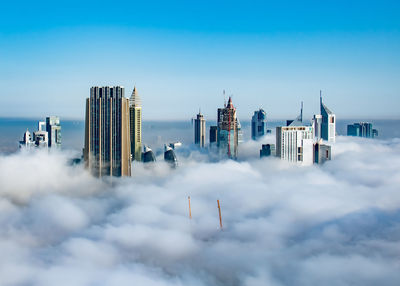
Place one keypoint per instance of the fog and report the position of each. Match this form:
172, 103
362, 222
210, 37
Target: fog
283, 224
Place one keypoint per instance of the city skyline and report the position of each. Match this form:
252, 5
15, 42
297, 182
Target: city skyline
264, 54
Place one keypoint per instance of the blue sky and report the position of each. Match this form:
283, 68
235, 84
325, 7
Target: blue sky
182, 54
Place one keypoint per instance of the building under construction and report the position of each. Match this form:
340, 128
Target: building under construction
227, 130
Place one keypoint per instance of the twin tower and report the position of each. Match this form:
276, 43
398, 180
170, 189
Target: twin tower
113, 131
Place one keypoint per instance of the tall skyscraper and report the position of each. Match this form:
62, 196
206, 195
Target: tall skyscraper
228, 138
258, 124
295, 144
135, 114
53, 128
328, 126
200, 130
107, 142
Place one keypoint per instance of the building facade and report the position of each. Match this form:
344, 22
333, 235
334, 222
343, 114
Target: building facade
135, 115
200, 131
228, 137
107, 150
258, 124
295, 144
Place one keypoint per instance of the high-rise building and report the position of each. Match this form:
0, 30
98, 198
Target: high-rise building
258, 124
213, 135
53, 128
26, 140
170, 157
135, 115
148, 155
41, 136
322, 152
295, 144
362, 129
328, 126
200, 130
107, 134
267, 150
227, 131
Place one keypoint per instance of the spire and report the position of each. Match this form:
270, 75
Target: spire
134, 100
320, 100
230, 105
224, 98
301, 112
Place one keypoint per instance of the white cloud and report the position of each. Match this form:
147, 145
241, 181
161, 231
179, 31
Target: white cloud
336, 224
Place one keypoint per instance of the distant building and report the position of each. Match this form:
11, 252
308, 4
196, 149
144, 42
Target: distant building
107, 149
200, 131
228, 136
148, 155
295, 144
53, 128
362, 129
322, 152
267, 150
41, 139
27, 141
135, 117
328, 126
213, 135
170, 157
258, 124
47, 135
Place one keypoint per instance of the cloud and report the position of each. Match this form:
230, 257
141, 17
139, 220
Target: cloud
336, 224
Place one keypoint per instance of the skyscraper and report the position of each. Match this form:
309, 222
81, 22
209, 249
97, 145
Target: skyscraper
53, 128
200, 130
258, 124
107, 142
328, 126
170, 157
135, 114
228, 138
295, 144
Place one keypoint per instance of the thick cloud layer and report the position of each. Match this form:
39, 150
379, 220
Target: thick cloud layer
336, 224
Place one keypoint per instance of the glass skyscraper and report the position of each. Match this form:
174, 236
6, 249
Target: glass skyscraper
258, 124
107, 149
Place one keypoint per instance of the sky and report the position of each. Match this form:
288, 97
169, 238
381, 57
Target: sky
336, 224
181, 55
